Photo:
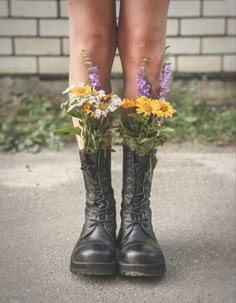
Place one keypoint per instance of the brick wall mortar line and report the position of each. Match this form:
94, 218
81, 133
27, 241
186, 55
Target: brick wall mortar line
201, 8
37, 64
222, 63
61, 47
169, 18
201, 46
171, 54
179, 27
177, 63
37, 27
58, 9
226, 26
13, 46
9, 8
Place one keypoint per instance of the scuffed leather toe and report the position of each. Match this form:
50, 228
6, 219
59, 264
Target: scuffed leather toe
141, 253
93, 253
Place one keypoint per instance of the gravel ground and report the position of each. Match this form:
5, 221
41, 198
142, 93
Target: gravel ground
42, 211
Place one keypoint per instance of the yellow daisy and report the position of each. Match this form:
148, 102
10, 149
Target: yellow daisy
147, 106
155, 103
95, 93
105, 98
142, 98
103, 106
166, 110
89, 109
81, 91
128, 103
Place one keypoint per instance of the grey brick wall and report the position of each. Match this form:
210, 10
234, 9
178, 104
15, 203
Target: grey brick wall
34, 36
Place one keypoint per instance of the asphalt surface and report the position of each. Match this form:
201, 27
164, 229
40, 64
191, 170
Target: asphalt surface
42, 211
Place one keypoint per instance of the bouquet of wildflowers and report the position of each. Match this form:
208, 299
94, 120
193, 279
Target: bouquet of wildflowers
93, 108
143, 119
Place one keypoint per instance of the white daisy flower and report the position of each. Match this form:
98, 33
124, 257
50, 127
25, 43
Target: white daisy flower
94, 99
116, 100
98, 113
72, 107
65, 104
102, 93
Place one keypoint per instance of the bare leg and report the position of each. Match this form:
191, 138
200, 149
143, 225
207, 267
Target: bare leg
92, 27
142, 33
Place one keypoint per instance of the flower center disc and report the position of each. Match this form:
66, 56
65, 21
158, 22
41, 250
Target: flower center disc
147, 107
164, 108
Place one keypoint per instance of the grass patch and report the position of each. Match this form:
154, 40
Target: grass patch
199, 122
27, 124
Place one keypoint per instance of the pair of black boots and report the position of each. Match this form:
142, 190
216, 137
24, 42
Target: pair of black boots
136, 252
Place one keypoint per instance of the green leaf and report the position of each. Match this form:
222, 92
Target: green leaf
137, 117
68, 130
166, 129
146, 140
190, 119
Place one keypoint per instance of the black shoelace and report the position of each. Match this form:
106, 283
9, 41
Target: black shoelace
137, 208
100, 207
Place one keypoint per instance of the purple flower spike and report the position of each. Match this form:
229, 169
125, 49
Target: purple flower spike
160, 122
164, 77
94, 77
143, 85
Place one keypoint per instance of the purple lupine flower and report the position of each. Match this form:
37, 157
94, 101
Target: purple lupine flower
164, 77
94, 77
160, 122
143, 85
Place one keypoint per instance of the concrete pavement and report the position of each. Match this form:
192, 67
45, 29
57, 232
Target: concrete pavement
42, 210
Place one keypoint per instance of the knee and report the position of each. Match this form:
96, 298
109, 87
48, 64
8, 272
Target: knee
97, 42
96, 38
147, 42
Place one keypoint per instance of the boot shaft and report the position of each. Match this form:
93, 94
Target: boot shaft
135, 207
100, 203
96, 168
136, 173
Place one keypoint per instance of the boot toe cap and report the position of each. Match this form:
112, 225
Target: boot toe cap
139, 253
93, 253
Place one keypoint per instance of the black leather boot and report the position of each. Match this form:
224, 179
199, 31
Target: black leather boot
140, 253
95, 252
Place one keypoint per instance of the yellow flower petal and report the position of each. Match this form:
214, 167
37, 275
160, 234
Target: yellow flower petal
81, 91
105, 98
95, 93
103, 106
166, 110
144, 106
89, 109
128, 103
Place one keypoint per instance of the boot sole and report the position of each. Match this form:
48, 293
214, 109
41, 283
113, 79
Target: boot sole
94, 269
142, 270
